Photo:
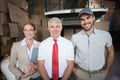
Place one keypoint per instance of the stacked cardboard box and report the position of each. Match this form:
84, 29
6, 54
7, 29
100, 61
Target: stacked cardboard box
3, 21
13, 30
3, 5
37, 21
4, 30
110, 5
102, 25
23, 4
16, 14
3, 18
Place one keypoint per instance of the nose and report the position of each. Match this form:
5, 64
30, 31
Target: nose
85, 21
55, 28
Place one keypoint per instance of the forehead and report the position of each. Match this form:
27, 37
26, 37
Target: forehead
28, 26
83, 16
54, 23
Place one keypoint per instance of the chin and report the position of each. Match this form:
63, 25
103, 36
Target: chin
29, 38
55, 36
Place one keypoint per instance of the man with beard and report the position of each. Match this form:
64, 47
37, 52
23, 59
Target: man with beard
90, 46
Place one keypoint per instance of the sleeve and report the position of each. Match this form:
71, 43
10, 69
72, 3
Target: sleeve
40, 52
108, 39
13, 61
73, 41
70, 52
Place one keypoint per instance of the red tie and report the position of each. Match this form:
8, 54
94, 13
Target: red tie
55, 65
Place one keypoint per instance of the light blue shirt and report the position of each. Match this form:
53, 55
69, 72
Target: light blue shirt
65, 53
90, 50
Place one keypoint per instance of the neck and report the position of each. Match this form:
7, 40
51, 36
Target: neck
91, 30
29, 43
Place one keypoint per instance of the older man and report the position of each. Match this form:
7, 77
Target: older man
56, 54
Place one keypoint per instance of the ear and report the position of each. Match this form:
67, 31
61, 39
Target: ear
48, 28
61, 28
35, 31
93, 17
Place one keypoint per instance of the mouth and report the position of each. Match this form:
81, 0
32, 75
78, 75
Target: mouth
86, 26
55, 32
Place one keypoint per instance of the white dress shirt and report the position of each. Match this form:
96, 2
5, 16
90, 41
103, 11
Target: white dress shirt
65, 53
29, 51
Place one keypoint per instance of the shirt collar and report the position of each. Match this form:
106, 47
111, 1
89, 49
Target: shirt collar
23, 42
94, 32
57, 38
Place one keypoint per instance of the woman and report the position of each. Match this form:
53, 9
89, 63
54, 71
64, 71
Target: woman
21, 54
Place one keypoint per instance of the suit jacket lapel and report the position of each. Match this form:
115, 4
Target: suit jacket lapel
24, 53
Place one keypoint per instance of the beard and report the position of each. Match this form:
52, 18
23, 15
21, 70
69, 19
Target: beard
89, 28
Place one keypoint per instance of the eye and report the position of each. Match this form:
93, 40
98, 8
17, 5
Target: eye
81, 19
89, 16
57, 26
52, 26
31, 30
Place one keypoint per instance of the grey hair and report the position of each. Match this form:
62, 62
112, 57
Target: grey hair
54, 19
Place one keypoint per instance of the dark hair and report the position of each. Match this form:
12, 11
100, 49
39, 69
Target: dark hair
30, 23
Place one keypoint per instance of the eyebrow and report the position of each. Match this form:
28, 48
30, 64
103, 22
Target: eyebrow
88, 16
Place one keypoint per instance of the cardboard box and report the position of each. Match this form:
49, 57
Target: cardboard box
68, 33
4, 29
3, 5
20, 3
4, 40
35, 19
13, 30
3, 18
102, 25
110, 5
17, 15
